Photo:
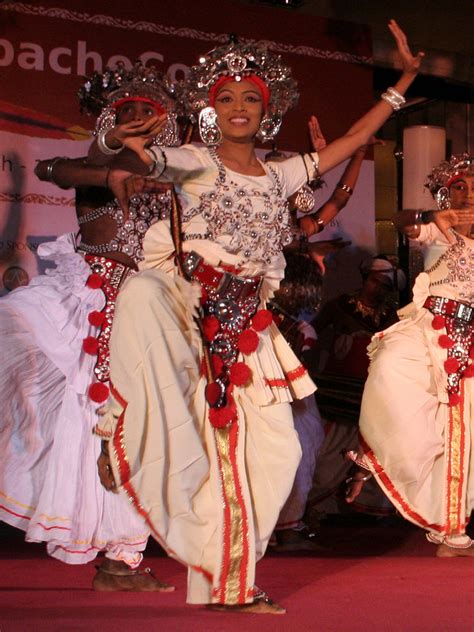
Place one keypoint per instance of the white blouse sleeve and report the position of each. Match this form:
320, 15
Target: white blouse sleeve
296, 171
177, 163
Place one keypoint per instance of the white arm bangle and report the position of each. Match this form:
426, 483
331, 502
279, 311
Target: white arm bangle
393, 98
104, 148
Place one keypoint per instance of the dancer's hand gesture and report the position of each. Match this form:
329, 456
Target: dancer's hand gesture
410, 63
318, 141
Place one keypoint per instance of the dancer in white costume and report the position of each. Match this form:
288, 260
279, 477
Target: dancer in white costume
54, 369
209, 459
418, 407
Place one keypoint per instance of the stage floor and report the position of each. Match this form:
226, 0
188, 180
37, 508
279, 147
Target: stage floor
377, 577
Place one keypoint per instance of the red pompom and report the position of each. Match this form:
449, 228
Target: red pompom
222, 417
239, 374
438, 322
95, 281
96, 318
469, 372
445, 342
210, 327
98, 392
451, 365
471, 352
454, 399
262, 319
90, 345
248, 341
213, 393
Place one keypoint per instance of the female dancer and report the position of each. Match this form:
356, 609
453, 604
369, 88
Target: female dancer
54, 368
419, 446
202, 439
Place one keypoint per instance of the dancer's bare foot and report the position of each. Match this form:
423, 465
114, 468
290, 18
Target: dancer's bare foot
256, 607
444, 550
262, 604
115, 576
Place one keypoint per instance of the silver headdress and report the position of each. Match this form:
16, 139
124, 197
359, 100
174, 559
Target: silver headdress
238, 60
101, 91
443, 175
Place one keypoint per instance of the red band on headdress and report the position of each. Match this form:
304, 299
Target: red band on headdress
259, 84
158, 107
456, 178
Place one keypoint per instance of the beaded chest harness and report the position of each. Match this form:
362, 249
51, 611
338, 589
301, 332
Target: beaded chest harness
144, 210
459, 259
458, 340
256, 234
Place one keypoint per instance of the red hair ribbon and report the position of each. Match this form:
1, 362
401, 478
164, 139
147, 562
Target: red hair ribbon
259, 83
158, 107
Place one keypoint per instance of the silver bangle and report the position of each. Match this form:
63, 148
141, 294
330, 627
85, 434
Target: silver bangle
320, 222
317, 175
393, 98
104, 148
49, 169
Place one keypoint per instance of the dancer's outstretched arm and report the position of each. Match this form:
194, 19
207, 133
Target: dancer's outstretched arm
365, 127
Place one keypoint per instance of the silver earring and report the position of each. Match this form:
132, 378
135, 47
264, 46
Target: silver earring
269, 127
442, 199
209, 130
169, 135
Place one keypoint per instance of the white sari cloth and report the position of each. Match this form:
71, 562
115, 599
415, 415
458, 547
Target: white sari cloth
210, 496
420, 448
49, 485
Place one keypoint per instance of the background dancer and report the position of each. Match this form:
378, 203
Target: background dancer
418, 406
55, 364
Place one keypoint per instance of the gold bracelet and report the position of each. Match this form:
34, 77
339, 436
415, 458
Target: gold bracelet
319, 223
345, 187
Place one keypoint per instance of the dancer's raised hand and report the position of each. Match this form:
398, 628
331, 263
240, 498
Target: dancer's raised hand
410, 63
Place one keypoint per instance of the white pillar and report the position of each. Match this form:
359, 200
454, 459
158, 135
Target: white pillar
424, 146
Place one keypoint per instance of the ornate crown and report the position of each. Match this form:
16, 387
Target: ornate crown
102, 90
238, 60
442, 176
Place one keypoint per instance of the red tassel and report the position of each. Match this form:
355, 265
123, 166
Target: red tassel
239, 374
210, 327
451, 365
248, 341
90, 345
471, 352
96, 318
438, 322
445, 342
98, 392
262, 319
95, 281
217, 364
204, 295
454, 399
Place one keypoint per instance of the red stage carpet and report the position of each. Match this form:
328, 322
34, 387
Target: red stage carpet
375, 579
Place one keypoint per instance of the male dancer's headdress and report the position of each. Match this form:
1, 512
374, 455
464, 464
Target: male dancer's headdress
103, 93
237, 62
446, 174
